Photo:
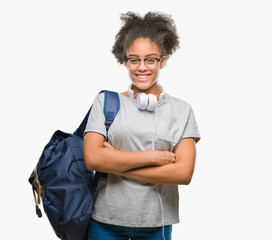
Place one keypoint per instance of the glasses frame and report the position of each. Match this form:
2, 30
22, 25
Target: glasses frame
139, 60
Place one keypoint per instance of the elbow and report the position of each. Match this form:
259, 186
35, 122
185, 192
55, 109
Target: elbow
89, 164
185, 179
184, 174
90, 160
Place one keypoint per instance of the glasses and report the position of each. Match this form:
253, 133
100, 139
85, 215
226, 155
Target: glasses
149, 62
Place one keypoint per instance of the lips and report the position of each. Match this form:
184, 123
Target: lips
142, 77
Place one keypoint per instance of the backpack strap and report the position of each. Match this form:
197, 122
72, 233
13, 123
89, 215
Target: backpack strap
111, 108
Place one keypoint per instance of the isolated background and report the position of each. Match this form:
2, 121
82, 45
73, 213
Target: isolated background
55, 56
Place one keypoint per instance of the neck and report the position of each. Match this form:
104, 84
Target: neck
154, 89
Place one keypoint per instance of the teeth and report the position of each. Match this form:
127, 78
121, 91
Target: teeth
142, 76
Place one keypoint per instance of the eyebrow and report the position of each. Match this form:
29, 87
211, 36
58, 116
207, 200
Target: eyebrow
134, 55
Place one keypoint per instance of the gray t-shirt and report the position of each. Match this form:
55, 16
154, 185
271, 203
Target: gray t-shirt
126, 202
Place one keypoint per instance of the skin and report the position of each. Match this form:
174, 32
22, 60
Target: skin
142, 48
158, 167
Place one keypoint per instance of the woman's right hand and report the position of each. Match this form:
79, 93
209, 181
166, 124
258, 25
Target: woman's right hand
164, 157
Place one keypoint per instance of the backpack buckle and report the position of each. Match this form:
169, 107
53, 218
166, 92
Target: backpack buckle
109, 119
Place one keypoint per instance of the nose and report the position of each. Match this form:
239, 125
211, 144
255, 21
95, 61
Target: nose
142, 66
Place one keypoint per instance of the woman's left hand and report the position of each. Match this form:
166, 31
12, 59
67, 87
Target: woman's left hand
107, 145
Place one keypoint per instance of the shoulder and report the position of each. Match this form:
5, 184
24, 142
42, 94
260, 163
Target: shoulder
99, 98
102, 97
178, 104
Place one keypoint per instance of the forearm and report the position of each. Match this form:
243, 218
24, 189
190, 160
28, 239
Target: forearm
115, 161
101, 156
169, 174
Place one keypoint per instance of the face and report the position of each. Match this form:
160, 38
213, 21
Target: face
144, 75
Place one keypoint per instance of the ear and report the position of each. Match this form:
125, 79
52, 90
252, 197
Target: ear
163, 61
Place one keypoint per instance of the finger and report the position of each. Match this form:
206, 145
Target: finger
106, 144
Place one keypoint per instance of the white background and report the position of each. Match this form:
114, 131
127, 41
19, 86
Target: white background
55, 56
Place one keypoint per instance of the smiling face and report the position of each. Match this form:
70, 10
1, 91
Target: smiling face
145, 74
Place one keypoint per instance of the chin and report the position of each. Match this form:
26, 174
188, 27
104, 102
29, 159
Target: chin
143, 85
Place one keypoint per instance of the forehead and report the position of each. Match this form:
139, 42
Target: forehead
143, 47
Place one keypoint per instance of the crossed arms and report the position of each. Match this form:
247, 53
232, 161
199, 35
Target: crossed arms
158, 167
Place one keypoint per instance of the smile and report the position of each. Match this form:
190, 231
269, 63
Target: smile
142, 76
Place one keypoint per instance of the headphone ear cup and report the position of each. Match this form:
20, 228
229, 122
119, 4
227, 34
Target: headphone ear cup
142, 101
152, 102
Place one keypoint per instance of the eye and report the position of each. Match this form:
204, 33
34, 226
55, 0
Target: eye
134, 60
150, 60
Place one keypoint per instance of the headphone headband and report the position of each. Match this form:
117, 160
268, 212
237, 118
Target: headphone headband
131, 92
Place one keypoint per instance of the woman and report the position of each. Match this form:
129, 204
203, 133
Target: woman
151, 145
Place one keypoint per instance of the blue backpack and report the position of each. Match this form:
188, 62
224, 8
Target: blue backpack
62, 181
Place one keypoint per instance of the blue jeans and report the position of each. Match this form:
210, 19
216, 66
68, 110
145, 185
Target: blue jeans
102, 231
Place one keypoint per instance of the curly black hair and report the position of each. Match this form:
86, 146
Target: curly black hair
159, 27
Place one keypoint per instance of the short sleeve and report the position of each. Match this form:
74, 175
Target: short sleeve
96, 120
191, 128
